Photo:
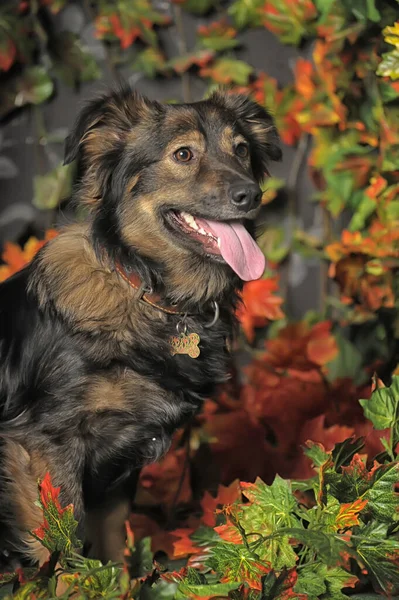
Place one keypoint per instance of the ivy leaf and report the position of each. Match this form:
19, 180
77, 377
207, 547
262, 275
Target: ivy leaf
52, 188
382, 409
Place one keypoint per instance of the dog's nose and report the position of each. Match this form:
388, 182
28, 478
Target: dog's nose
245, 196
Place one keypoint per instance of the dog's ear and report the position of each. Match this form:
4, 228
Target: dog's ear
90, 117
257, 124
105, 120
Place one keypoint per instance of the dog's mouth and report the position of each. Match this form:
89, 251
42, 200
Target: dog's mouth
226, 241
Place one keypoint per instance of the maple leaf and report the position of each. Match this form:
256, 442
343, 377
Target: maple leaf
16, 258
235, 563
58, 530
259, 305
225, 495
272, 508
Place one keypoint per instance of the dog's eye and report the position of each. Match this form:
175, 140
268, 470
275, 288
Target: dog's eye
183, 154
242, 150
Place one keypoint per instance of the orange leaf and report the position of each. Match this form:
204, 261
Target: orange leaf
225, 495
348, 514
259, 305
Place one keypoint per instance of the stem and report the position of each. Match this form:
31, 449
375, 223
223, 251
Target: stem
327, 238
182, 47
292, 182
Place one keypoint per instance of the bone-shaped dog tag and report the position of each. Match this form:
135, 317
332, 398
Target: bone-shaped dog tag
186, 343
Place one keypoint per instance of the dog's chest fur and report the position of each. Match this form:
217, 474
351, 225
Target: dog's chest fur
103, 386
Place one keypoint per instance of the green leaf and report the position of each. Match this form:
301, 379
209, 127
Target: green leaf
150, 62
389, 66
229, 70
344, 451
364, 209
246, 13
316, 453
272, 509
317, 580
382, 409
363, 10
379, 556
186, 590
34, 88
327, 546
235, 563
198, 7
347, 363
310, 582
50, 189
383, 502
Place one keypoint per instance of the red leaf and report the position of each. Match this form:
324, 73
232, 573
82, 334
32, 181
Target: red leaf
259, 305
225, 495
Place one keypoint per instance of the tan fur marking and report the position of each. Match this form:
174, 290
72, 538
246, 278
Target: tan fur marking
23, 472
226, 140
105, 394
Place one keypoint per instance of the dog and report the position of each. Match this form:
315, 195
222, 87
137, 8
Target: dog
117, 331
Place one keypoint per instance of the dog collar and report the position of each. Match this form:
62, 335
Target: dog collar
145, 294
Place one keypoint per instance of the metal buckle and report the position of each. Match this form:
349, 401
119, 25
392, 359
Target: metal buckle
215, 316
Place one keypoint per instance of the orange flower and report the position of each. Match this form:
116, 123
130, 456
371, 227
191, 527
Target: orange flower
16, 258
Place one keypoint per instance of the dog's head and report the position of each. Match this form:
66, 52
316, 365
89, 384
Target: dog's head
175, 184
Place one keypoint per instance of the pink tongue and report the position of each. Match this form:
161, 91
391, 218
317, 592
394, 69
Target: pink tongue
238, 249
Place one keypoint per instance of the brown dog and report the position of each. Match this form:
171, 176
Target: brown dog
117, 331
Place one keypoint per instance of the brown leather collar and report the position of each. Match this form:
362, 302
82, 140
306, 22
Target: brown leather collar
147, 295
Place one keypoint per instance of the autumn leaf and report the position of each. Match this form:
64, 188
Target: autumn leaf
259, 305
58, 530
16, 258
227, 70
348, 515
225, 495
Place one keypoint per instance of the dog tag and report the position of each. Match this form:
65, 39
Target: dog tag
186, 343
